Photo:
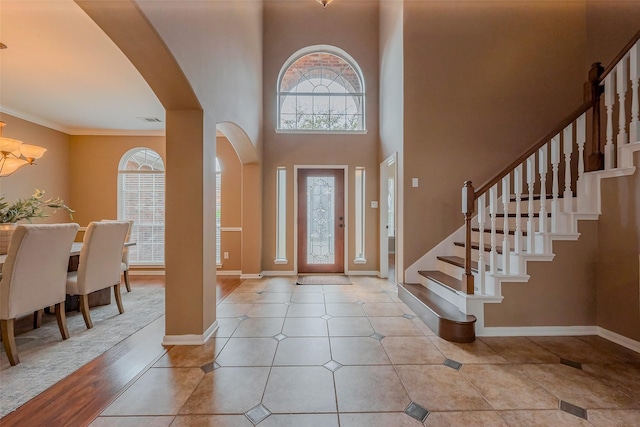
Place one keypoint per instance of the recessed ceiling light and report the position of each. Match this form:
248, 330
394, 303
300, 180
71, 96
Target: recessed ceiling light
3, 46
150, 119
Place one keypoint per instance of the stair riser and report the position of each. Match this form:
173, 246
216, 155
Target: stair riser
515, 261
450, 269
443, 292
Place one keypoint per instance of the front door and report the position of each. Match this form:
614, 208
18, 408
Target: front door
320, 220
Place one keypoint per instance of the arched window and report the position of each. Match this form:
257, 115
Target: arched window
218, 211
141, 199
321, 88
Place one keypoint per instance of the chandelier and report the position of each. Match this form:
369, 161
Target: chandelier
14, 154
324, 3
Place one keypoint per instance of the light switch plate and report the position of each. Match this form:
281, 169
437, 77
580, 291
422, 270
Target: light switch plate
374, 204
414, 182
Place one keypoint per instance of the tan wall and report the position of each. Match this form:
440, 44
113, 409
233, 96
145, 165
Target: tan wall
231, 201
559, 293
288, 27
93, 171
618, 277
50, 173
610, 25
485, 80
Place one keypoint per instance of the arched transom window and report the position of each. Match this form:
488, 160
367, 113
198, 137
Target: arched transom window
141, 198
321, 89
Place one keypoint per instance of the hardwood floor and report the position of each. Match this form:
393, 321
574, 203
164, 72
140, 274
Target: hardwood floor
79, 398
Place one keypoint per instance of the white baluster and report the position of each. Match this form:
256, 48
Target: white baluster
634, 62
493, 211
481, 267
542, 168
567, 145
531, 227
609, 100
506, 246
621, 86
581, 132
517, 184
555, 164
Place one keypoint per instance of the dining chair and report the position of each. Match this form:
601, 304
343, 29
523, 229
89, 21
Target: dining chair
124, 265
33, 277
99, 264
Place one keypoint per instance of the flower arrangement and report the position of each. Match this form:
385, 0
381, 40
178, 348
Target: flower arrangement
33, 207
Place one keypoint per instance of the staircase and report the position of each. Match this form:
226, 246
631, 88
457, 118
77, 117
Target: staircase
540, 198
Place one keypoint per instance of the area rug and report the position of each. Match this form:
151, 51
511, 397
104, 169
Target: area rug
45, 359
323, 280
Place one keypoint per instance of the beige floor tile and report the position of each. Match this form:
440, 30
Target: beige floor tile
301, 420
227, 391
373, 297
302, 351
308, 288
475, 352
211, 421
226, 327
300, 390
248, 352
613, 418
578, 387
307, 298
191, 356
619, 352
345, 309
405, 308
251, 287
466, 419
279, 287
330, 297
395, 419
274, 297
370, 389
268, 310
305, 327
577, 350
132, 422
240, 298
412, 351
382, 309
440, 388
423, 327
350, 327
358, 351
159, 391
542, 419
259, 327
306, 310
394, 326
232, 310
621, 377
520, 350
338, 288
507, 387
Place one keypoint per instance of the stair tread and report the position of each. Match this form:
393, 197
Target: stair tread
441, 307
488, 230
443, 279
476, 246
458, 261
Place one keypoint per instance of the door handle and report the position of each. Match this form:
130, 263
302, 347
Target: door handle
341, 218
341, 225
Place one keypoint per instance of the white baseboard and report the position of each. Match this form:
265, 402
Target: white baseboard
619, 339
228, 273
190, 339
279, 273
146, 272
538, 331
251, 276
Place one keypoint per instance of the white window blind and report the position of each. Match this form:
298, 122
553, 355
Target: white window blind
281, 216
360, 216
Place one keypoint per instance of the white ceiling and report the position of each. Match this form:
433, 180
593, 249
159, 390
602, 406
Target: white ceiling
61, 71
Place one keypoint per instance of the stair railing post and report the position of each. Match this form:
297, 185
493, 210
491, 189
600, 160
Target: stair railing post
634, 67
468, 202
593, 90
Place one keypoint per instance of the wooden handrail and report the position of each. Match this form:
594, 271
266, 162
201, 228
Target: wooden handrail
619, 57
535, 147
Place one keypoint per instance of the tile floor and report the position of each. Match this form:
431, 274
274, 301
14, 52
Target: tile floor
355, 356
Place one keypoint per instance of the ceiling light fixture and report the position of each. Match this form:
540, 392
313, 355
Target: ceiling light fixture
14, 154
324, 3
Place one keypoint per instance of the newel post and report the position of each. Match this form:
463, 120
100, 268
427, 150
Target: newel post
468, 202
592, 92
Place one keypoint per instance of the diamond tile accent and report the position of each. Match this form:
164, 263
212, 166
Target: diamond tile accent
571, 363
325, 317
417, 412
452, 364
573, 409
257, 414
377, 336
280, 337
260, 292
332, 365
408, 316
243, 317
210, 367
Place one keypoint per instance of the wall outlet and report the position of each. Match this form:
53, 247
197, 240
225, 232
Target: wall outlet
225, 255
374, 204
